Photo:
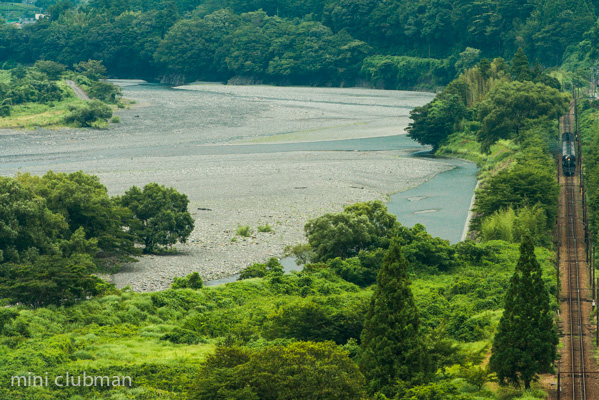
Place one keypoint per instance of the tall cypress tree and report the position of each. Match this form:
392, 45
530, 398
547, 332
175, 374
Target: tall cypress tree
520, 67
392, 344
526, 341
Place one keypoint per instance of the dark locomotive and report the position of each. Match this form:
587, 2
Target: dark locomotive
568, 153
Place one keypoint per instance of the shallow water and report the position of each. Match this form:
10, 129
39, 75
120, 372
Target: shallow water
441, 204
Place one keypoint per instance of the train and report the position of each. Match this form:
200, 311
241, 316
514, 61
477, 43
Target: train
568, 153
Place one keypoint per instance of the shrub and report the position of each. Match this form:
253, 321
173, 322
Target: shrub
310, 321
352, 270
50, 280
182, 336
191, 281
87, 114
265, 228
116, 119
511, 226
105, 91
6, 316
52, 69
4, 110
258, 270
361, 226
302, 370
244, 231
523, 185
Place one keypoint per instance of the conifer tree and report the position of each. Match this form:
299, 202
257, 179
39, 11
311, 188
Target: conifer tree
526, 340
392, 344
520, 67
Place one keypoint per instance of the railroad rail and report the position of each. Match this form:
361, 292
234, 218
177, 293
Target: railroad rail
573, 262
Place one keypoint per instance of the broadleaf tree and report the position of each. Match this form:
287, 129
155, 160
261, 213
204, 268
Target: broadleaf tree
160, 216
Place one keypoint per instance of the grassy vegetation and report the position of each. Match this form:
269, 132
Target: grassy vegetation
14, 11
142, 335
39, 97
32, 115
244, 231
265, 228
464, 145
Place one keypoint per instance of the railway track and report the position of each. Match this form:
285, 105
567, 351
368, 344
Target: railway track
576, 364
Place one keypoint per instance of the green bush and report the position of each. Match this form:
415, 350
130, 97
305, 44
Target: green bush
52, 69
182, 336
87, 114
176, 299
191, 281
49, 280
4, 110
523, 185
297, 370
361, 270
105, 91
265, 228
244, 231
511, 226
258, 270
311, 321
361, 226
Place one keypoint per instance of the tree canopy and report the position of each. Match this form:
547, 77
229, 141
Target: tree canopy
160, 216
509, 106
298, 371
308, 42
358, 227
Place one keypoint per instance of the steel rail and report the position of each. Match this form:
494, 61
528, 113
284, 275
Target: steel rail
574, 303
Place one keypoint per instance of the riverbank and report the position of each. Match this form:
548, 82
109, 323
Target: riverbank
202, 141
282, 190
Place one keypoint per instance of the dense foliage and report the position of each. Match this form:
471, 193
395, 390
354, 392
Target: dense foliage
298, 371
494, 99
391, 44
359, 227
160, 217
59, 228
590, 148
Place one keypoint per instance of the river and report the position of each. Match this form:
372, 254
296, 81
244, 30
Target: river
255, 155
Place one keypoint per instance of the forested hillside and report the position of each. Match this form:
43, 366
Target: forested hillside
390, 44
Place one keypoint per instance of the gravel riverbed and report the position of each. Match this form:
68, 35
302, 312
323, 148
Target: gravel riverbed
185, 138
282, 190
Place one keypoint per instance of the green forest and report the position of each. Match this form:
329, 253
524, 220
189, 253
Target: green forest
389, 44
